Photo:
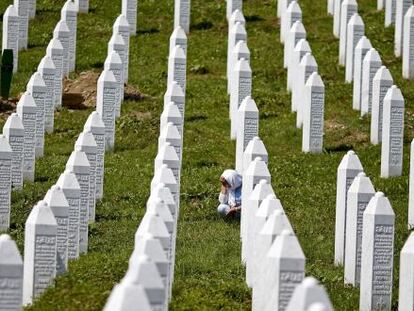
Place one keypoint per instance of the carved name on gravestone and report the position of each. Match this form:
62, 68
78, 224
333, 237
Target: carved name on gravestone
47, 70
182, 10
242, 87
14, 131
69, 14
37, 88
348, 9
121, 26
380, 84
56, 200
32, 9
62, 33
233, 5
175, 94
11, 274
296, 32
22, 8
407, 45
356, 29
27, 111
55, 52
78, 163
392, 133
82, 6
372, 62
40, 246
361, 49
114, 63
95, 125
313, 114
167, 155
255, 148
129, 10
300, 50
5, 182
105, 105
10, 39
86, 143
348, 169
401, 8
172, 114
248, 128
359, 195
171, 135
405, 296
72, 191
377, 254
240, 51
177, 66
292, 14
390, 6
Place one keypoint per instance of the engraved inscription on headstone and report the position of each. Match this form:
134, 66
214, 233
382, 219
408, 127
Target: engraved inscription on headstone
10, 39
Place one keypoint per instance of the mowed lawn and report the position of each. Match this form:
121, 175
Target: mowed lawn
209, 275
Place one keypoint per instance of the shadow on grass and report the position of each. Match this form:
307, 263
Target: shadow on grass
204, 25
339, 148
254, 18
147, 31
197, 117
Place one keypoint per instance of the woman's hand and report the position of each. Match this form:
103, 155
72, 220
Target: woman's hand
232, 211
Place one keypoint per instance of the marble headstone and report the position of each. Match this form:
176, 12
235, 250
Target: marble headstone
292, 14
361, 49
337, 18
348, 9
69, 14
121, 26
300, 50
82, 6
22, 8
401, 8
175, 94
177, 67
6, 154
372, 62
55, 52
182, 11
114, 63
255, 148
408, 41
62, 33
172, 114
405, 296
296, 32
10, 38
129, 10
241, 50
356, 29
233, 5
178, 37
390, 6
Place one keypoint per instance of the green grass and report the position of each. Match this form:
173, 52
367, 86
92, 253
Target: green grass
208, 271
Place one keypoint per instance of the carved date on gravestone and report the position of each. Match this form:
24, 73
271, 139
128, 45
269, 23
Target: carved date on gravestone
288, 282
5, 179
83, 180
396, 139
251, 128
10, 292
316, 126
73, 231
16, 142
62, 241
245, 87
44, 263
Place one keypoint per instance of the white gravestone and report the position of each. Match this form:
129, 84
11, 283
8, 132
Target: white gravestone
163, 192
233, 5
361, 49
255, 172
286, 263
105, 105
292, 14
40, 248
175, 94
47, 70
372, 62
86, 143
22, 8
248, 128
411, 189
129, 10
10, 39
377, 255
82, 6
380, 84
62, 33
56, 200
164, 175
236, 17
69, 14
11, 274
55, 52
313, 116
114, 63
337, 18
401, 9
300, 50
171, 135
405, 296
237, 33
117, 44
14, 131
250, 207
348, 169
380, 4
172, 114
307, 293
95, 125
121, 26
390, 6
356, 29
359, 195
348, 9
178, 37
177, 67
306, 67
330, 7
241, 50
296, 32
27, 110
78, 164
255, 148
6, 154
126, 295
392, 133
37, 88
407, 45
182, 10
281, 8
167, 155
274, 226
72, 191
32, 9
242, 87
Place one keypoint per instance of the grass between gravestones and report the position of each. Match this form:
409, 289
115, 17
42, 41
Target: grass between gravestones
208, 273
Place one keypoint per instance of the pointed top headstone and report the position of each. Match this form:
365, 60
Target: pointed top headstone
77, 159
68, 180
350, 162
41, 214
94, 123
9, 253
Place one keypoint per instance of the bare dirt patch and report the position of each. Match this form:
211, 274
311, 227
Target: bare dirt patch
346, 135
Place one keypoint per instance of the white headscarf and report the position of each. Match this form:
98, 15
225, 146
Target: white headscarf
233, 178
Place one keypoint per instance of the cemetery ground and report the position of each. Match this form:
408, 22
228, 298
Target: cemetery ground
208, 272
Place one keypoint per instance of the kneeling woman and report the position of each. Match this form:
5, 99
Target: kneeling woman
230, 194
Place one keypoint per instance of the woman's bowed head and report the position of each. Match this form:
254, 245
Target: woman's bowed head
230, 194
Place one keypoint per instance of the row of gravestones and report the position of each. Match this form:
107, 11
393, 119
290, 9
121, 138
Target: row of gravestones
147, 284
374, 91
364, 240
57, 227
274, 260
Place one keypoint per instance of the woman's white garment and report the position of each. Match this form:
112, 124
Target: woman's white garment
234, 180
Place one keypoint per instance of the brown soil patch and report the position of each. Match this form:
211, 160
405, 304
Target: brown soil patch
7, 107
347, 136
